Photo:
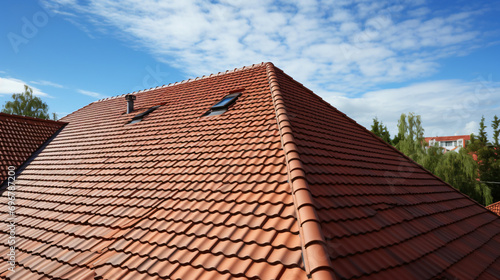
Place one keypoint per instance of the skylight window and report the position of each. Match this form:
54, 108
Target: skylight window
224, 102
137, 118
222, 106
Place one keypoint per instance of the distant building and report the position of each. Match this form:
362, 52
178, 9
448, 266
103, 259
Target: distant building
449, 143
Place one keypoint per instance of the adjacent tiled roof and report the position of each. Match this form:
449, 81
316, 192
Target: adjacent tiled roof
448, 138
20, 137
278, 187
494, 207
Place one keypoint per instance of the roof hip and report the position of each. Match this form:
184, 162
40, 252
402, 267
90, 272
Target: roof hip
316, 258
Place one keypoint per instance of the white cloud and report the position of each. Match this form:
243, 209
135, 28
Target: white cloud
337, 48
90, 93
471, 127
9, 86
356, 45
46, 83
447, 107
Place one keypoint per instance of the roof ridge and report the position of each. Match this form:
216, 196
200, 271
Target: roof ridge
30, 118
316, 257
186, 81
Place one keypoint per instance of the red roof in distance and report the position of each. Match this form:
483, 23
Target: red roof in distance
447, 138
494, 207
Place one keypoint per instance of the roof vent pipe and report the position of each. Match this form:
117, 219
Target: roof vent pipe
130, 103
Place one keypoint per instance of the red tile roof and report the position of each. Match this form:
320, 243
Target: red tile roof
494, 207
20, 137
448, 138
277, 187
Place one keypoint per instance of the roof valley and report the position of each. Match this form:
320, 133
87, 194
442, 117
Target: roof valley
316, 258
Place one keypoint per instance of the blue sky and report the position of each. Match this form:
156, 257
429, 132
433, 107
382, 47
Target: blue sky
438, 59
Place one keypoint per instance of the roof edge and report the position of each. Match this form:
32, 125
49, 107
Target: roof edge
316, 258
186, 81
31, 118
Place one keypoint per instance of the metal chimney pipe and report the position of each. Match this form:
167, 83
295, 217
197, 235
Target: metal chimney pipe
130, 102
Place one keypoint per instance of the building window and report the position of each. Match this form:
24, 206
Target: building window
448, 143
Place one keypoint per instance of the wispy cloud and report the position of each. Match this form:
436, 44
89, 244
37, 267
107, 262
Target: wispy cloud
46, 83
447, 107
11, 85
355, 44
90, 93
343, 50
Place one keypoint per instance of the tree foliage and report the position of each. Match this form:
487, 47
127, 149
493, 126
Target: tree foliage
482, 136
461, 171
26, 104
496, 131
412, 136
457, 169
379, 129
488, 158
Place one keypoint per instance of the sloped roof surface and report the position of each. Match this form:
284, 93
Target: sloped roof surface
176, 195
281, 186
20, 137
382, 215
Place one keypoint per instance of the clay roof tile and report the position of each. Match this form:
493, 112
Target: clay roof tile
277, 187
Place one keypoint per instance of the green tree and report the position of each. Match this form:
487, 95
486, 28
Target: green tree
483, 136
379, 129
457, 169
396, 139
26, 104
488, 158
496, 131
461, 171
411, 134
432, 158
